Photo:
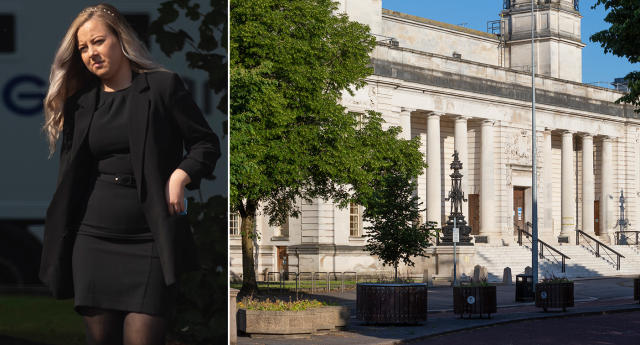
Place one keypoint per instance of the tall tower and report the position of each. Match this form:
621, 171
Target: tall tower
558, 39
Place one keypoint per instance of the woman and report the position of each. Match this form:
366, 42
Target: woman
116, 238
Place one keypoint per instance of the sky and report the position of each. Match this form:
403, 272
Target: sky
474, 14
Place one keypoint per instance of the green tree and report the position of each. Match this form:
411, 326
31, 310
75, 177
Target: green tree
209, 52
201, 311
621, 39
395, 234
291, 60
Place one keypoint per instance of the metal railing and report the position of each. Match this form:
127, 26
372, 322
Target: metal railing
599, 244
623, 234
313, 282
309, 281
541, 246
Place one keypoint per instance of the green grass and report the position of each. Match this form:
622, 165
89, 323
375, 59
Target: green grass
41, 319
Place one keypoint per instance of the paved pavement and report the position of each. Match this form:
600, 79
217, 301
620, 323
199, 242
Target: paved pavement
614, 328
592, 297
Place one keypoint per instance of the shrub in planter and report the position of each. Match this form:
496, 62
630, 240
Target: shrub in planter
476, 298
395, 236
636, 289
554, 293
289, 318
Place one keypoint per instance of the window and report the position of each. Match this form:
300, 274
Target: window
282, 230
355, 220
140, 24
7, 33
234, 224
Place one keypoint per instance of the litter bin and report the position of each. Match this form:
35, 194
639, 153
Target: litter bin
524, 288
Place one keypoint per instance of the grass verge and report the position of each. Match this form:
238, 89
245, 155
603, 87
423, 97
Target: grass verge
41, 319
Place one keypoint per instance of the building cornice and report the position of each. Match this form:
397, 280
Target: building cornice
514, 92
389, 14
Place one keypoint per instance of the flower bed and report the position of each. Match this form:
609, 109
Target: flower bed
289, 318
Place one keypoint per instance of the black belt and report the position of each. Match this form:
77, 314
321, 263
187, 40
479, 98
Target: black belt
121, 179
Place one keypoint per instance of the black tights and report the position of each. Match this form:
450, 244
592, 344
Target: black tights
110, 327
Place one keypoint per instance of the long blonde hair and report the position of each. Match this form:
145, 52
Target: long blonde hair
69, 74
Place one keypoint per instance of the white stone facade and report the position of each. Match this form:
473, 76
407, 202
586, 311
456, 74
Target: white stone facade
479, 102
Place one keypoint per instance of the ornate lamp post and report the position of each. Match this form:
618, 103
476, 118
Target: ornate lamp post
622, 223
456, 218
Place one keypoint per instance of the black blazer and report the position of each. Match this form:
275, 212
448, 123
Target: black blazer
164, 122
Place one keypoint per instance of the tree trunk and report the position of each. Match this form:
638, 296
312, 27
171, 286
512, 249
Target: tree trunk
249, 285
395, 279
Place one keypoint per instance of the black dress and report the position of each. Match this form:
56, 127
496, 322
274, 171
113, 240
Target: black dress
115, 261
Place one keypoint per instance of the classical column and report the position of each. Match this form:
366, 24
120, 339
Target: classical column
460, 145
434, 184
587, 184
547, 178
487, 189
568, 198
405, 123
606, 188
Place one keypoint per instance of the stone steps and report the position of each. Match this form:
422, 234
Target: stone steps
583, 264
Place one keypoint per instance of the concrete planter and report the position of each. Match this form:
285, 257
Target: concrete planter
264, 322
474, 300
636, 289
331, 318
554, 295
391, 303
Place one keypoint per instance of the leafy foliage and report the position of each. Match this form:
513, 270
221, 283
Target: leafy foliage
552, 279
290, 63
201, 313
279, 305
621, 39
395, 234
209, 53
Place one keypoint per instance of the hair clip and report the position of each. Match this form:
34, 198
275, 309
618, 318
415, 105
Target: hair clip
96, 9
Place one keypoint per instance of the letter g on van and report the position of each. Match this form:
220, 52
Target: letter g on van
23, 94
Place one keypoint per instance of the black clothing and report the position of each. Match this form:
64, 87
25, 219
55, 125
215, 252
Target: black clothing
113, 210
117, 274
115, 263
166, 123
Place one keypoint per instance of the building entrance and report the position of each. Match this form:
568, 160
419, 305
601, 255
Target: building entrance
283, 260
518, 210
474, 214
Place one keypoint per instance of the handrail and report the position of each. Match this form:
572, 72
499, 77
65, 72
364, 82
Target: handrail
619, 233
598, 245
543, 244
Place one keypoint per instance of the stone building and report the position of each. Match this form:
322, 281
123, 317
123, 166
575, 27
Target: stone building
470, 91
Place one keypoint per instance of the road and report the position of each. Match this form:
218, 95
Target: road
615, 329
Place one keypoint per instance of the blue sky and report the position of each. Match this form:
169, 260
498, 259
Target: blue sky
596, 66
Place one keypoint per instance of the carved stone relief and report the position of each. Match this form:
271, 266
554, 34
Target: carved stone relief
518, 148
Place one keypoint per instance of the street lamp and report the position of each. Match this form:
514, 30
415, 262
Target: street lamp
534, 189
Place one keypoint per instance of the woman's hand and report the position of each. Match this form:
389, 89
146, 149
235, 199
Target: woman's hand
174, 191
